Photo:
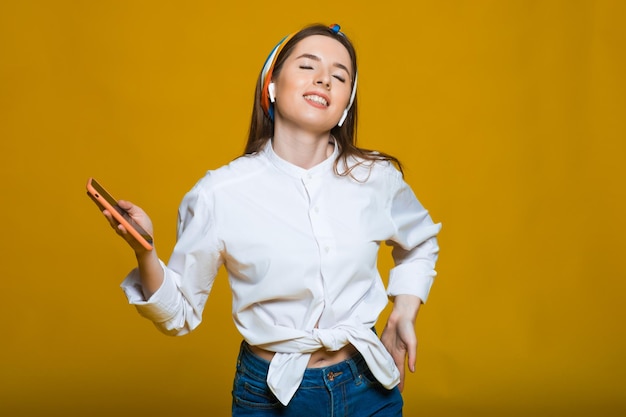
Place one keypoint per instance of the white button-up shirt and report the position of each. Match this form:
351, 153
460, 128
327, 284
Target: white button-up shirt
300, 247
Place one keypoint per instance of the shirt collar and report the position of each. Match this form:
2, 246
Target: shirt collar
296, 171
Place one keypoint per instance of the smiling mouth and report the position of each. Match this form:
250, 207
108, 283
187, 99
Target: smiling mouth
317, 99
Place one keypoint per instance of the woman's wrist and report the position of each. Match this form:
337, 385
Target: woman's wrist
405, 306
150, 271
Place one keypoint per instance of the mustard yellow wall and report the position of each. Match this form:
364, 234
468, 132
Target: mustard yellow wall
509, 118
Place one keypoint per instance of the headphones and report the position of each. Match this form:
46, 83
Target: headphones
271, 91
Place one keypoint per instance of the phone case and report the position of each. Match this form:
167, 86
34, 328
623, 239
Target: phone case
104, 200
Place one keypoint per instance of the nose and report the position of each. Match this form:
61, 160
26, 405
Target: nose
323, 79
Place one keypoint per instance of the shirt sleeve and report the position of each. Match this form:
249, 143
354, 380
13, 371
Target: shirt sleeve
176, 307
414, 244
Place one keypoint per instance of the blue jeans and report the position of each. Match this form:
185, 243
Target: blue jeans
342, 390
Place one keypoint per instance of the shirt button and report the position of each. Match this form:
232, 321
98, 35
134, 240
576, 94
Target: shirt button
326, 249
316, 209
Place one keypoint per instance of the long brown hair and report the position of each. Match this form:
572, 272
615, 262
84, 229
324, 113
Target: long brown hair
262, 127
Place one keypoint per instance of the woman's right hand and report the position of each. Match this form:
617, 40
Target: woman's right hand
139, 216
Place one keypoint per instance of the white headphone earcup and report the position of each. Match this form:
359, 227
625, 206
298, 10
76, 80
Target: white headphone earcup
271, 91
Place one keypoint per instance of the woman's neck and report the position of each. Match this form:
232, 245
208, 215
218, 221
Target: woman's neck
303, 150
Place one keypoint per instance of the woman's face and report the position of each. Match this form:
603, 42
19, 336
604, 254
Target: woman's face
314, 85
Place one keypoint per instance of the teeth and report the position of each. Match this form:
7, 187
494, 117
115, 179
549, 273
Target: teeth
317, 99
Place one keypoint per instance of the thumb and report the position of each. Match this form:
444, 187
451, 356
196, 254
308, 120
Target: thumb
126, 205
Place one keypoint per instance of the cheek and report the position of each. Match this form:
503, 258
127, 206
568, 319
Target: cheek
288, 89
345, 96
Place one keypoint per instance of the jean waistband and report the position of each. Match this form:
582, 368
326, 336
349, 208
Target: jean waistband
257, 367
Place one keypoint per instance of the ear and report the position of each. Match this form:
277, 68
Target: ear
271, 91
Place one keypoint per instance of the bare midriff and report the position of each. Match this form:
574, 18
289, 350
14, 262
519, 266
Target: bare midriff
319, 359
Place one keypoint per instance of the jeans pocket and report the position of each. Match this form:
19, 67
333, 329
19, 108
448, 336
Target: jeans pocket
250, 392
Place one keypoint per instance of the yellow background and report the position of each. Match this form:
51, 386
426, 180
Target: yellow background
509, 118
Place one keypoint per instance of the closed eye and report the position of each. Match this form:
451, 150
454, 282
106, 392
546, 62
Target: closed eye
315, 58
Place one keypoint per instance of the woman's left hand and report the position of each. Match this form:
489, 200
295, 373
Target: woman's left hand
399, 334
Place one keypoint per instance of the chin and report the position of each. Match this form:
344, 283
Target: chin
312, 122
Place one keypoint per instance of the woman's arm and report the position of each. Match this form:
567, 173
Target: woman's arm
415, 252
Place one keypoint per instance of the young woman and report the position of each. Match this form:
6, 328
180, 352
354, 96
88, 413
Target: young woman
297, 222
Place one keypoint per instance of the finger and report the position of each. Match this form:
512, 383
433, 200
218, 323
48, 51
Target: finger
401, 384
410, 342
121, 230
412, 358
110, 219
126, 205
400, 366
130, 208
399, 357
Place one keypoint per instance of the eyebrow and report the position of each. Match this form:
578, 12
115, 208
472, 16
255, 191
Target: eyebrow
316, 58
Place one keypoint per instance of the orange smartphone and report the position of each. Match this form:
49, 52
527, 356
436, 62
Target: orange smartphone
104, 200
